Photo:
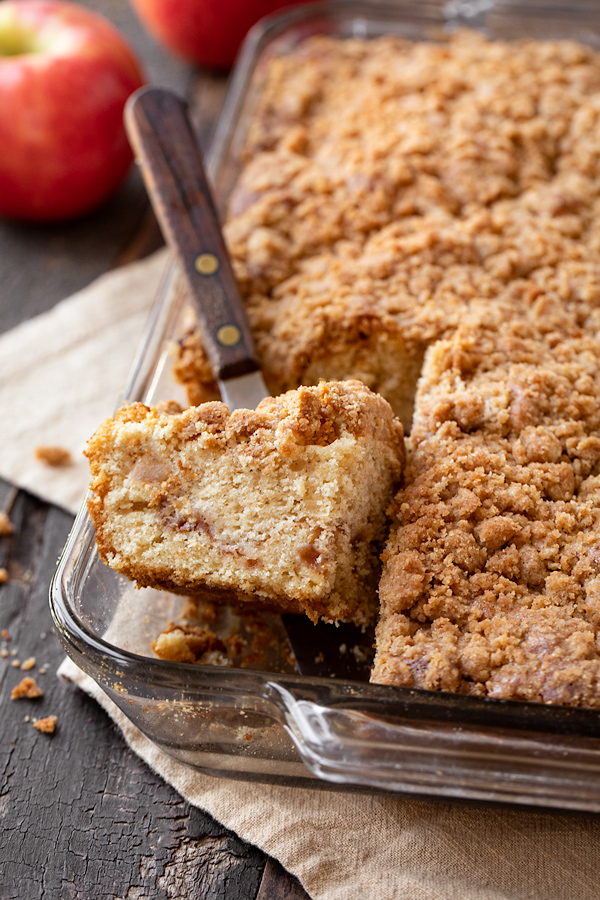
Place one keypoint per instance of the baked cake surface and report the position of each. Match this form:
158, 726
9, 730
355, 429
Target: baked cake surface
283, 506
428, 213
389, 184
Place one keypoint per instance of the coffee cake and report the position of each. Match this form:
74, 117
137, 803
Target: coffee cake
282, 507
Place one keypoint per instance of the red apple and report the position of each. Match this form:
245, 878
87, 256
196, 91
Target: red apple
65, 74
205, 32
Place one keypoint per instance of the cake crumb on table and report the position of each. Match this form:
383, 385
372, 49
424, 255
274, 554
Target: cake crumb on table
26, 689
5, 635
29, 663
3, 576
6, 526
47, 725
53, 455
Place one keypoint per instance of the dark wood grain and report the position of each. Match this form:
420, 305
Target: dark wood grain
171, 163
80, 815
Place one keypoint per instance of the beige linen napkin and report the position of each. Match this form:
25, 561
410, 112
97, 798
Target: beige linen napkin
60, 375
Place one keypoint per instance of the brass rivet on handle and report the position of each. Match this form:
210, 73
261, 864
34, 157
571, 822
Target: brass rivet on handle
206, 264
228, 335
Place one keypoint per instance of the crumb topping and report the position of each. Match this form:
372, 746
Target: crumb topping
491, 576
27, 688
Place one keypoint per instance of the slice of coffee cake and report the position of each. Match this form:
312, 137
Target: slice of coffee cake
283, 506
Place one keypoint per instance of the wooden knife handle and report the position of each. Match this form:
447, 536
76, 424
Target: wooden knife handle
169, 157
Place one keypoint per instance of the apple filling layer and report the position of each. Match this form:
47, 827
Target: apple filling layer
283, 506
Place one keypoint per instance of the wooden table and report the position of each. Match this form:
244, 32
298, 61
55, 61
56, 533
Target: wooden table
82, 816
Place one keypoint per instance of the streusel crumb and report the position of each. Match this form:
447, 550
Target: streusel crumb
491, 581
6, 526
27, 688
53, 456
46, 725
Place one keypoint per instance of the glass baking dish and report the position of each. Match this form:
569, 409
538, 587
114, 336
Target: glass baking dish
275, 725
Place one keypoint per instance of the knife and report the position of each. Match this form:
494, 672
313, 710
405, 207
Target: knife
171, 164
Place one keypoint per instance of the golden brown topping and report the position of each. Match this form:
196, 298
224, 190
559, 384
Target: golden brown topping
27, 688
187, 643
308, 416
